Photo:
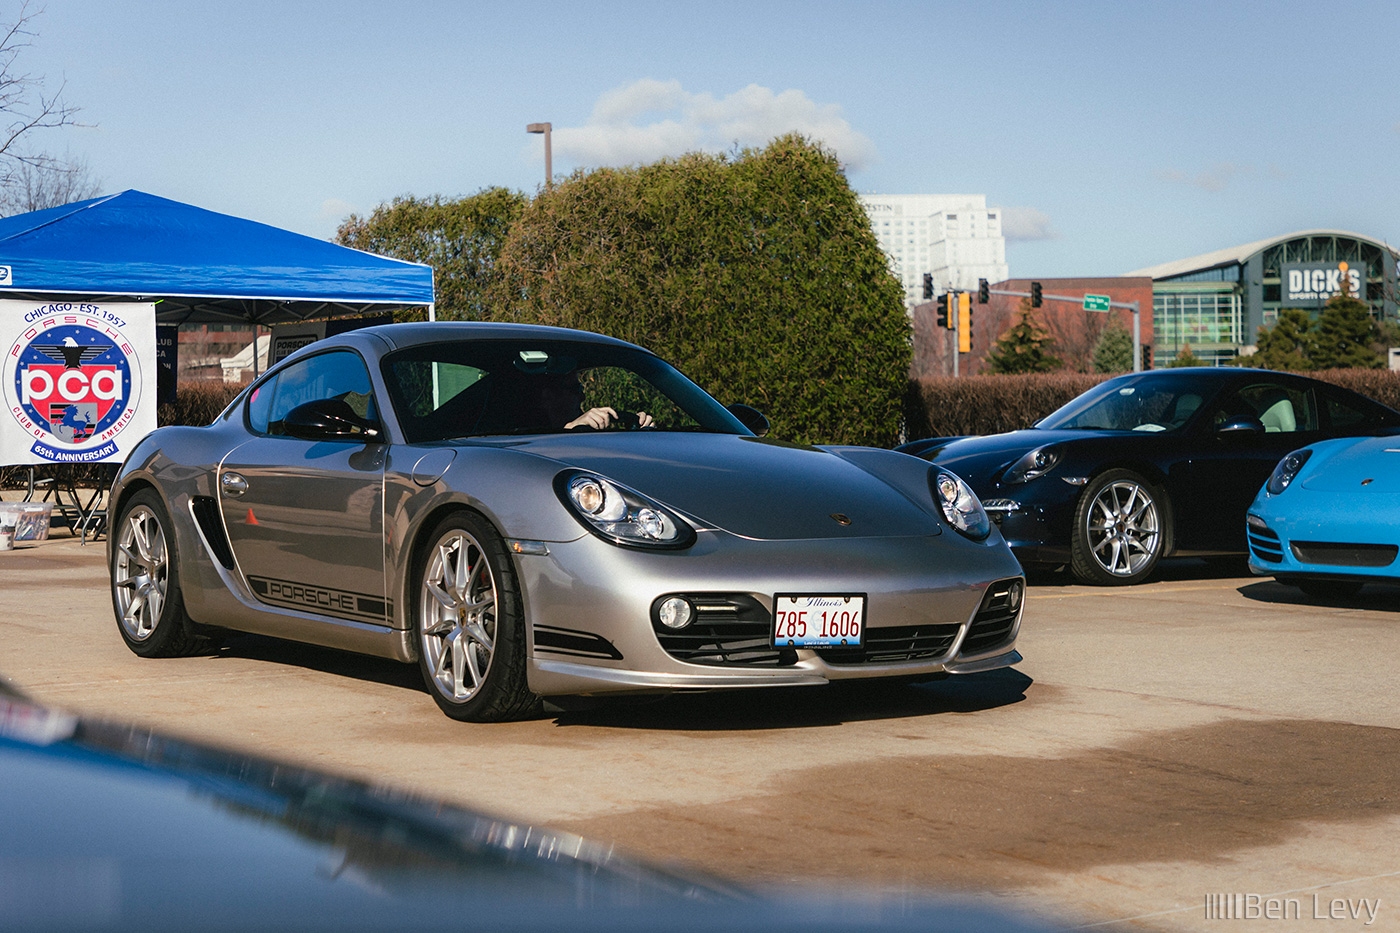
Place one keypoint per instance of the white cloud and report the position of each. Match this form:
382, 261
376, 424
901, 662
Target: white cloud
650, 119
1026, 223
1215, 178
334, 210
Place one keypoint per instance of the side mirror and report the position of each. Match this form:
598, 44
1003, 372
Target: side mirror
329, 420
1240, 427
750, 418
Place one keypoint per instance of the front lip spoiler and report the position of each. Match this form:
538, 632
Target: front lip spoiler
655, 681
984, 664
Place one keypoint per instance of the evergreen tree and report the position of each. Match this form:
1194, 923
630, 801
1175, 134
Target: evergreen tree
1345, 332
1184, 357
1024, 348
1288, 345
1114, 351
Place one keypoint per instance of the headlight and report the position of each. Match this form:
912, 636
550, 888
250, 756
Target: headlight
960, 507
1287, 468
1035, 463
621, 515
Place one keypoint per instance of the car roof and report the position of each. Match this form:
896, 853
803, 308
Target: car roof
398, 336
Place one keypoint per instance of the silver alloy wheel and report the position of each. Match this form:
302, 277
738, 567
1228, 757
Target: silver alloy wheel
1124, 529
458, 616
141, 569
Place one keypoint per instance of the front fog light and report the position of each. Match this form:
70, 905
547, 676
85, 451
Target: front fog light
675, 612
1014, 594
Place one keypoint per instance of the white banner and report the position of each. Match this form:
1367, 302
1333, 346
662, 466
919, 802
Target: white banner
78, 380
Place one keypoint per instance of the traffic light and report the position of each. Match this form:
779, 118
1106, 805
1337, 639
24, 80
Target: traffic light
928, 285
944, 318
1035, 294
964, 322
984, 291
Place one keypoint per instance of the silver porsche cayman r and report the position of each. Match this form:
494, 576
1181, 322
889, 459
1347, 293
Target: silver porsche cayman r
532, 512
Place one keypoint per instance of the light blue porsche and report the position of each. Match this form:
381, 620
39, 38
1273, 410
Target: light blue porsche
1328, 519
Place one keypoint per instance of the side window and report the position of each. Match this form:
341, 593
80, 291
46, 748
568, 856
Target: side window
1283, 409
260, 403
1342, 417
336, 375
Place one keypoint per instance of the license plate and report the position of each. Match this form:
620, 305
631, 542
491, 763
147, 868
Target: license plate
809, 620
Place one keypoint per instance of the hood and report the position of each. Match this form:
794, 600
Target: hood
748, 486
1352, 463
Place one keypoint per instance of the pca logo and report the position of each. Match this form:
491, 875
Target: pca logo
72, 387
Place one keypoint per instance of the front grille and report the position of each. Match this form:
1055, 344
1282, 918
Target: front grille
897, 643
1264, 544
729, 629
996, 617
1344, 555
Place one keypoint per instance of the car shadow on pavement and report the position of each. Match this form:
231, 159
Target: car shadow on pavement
325, 660
805, 707
1375, 597
1168, 571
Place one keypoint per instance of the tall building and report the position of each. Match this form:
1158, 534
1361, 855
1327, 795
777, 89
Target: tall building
954, 237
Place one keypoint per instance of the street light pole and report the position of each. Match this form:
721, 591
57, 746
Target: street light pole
544, 128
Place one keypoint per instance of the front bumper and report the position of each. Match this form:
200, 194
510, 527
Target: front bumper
589, 605
1329, 540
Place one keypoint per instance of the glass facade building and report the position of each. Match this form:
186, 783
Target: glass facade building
1215, 303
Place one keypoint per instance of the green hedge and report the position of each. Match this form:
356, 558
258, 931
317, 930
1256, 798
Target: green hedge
944, 406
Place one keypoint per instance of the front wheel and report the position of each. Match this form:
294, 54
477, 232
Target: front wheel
1120, 530
470, 623
145, 583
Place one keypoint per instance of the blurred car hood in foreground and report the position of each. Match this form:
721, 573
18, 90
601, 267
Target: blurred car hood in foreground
110, 827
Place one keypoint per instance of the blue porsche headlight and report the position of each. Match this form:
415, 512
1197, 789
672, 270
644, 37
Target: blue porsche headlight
960, 507
621, 515
1035, 463
1287, 468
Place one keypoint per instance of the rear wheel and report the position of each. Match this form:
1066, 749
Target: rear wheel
470, 624
146, 595
1120, 530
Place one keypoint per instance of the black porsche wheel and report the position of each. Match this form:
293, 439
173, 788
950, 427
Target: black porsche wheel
1120, 530
1329, 589
470, 624
145, 586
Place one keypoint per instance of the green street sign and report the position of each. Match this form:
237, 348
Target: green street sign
1096, 302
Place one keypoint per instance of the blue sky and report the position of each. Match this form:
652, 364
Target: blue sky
1113, 135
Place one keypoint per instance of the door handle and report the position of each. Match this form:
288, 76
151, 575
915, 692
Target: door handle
233, 485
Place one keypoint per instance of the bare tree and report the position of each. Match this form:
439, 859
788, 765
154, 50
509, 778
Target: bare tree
24, 108
35, 187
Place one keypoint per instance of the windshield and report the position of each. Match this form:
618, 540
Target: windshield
491, 387
1155, 404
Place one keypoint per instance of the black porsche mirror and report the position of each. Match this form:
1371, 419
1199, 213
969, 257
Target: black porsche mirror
1241, 427
329, 420
749, 417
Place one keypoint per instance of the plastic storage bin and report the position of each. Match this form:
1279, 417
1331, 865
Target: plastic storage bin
30, 519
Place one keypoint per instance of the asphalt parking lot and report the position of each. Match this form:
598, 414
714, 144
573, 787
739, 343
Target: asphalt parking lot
1208, 733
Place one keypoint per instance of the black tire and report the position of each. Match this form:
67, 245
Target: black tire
146, 598
1329, 589
1122, 527
469, 623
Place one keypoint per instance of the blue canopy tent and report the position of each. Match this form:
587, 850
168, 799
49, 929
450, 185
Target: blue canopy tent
202, 267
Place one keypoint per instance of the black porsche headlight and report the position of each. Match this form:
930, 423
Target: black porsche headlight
1035, 463
621, 515
962, 509
1287, 468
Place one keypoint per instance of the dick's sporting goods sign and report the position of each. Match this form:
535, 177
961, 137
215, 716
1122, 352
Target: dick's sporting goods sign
1319, 281
78, 380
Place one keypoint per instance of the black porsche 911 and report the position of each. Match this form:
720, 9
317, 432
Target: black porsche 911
1148, 465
